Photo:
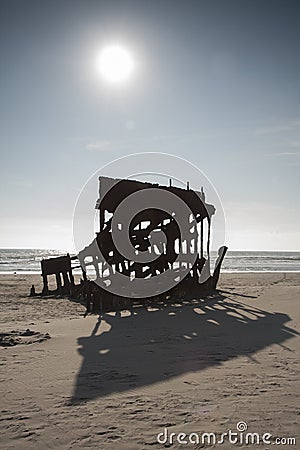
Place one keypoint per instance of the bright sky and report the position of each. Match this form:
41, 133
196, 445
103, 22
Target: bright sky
216, 82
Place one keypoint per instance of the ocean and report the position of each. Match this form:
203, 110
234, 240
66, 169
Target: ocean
28, 261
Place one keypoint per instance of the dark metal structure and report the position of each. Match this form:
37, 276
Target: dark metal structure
102, 262
62, 269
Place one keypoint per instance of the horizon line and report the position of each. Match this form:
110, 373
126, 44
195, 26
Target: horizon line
71, 250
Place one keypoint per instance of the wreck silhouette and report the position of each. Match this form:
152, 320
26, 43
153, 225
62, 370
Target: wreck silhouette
163, 249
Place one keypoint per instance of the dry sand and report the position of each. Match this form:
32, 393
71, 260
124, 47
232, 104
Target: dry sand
117, 381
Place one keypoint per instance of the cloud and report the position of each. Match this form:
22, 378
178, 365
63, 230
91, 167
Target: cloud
100, 146
291, 125
24, 184
287, 154
294, 144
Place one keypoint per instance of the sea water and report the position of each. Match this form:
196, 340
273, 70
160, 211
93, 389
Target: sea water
28, 260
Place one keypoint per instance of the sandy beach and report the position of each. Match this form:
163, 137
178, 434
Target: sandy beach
117, 381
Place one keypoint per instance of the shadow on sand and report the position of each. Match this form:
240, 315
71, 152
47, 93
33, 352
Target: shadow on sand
149, 345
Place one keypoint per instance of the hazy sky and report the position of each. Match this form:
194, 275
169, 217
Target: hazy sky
216, 82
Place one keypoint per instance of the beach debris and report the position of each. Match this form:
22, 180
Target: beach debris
32, 291
15, 337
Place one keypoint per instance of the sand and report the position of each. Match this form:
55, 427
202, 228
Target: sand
116, 381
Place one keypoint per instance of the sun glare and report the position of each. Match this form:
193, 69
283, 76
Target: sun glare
115, 64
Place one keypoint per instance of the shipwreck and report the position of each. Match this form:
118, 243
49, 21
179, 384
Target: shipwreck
164, 252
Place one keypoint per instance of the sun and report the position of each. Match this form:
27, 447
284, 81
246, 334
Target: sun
115, 64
